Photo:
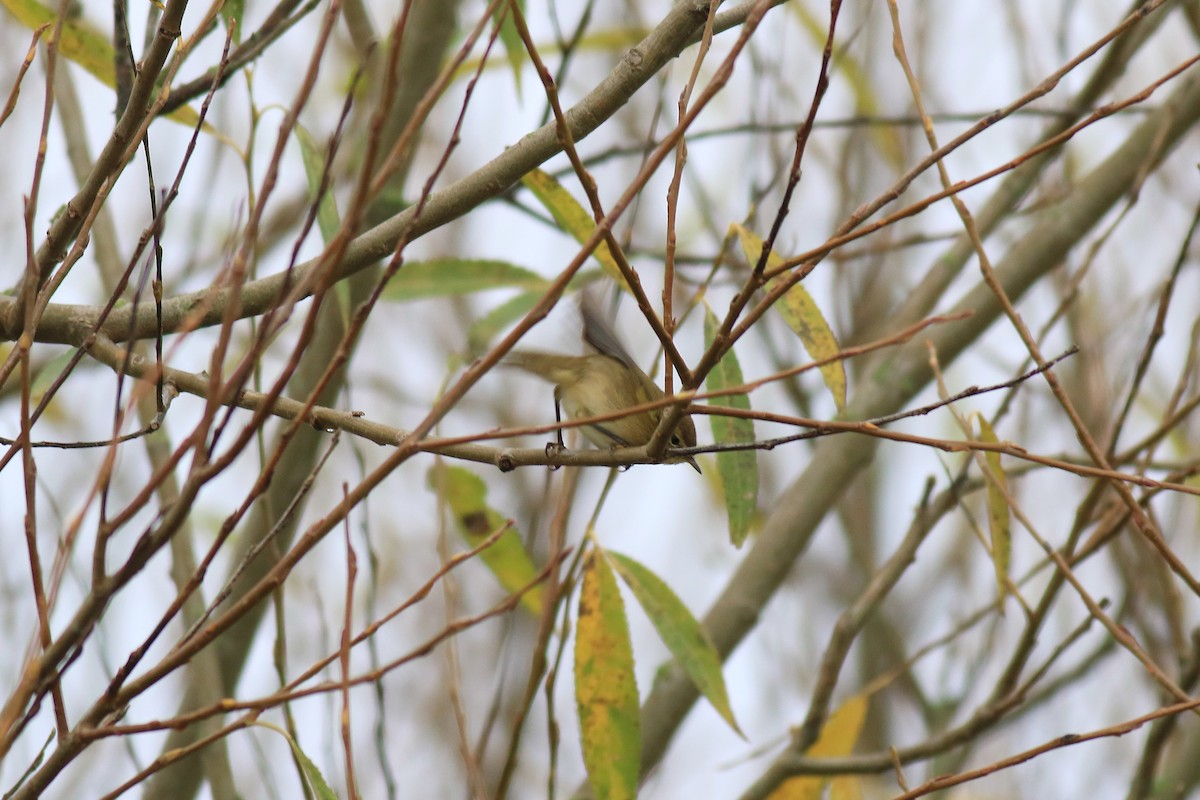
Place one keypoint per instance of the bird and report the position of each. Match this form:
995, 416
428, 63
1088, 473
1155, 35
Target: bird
602, 383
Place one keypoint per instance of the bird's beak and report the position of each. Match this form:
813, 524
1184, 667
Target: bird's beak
694, 465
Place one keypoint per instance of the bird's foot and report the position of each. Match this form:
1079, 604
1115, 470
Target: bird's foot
554, 450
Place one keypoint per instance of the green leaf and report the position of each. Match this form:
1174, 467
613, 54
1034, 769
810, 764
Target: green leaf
466, 495
803, 316
49, 373
328, 219
571, 217
680, 632
514, 48
605, 688
485, 329
999, 521
232, 13
456, 276
738, 468
481, 333
313, 157
316, 781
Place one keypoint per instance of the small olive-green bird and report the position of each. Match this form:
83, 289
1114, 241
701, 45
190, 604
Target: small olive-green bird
603, 383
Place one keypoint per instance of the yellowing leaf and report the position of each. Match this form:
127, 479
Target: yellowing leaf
79, 42
838, 737
840, 732
803, 316
738, 468
845, 787
680, 632
605, 689
466, 494
86, 46
999, 521
573, 218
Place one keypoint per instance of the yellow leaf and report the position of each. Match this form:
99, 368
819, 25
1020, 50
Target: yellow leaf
845, 787
568, 213
87, 47
606, 692
838, 737
803, 316
79, 41
466, 495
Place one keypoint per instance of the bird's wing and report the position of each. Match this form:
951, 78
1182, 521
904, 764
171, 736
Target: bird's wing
597, 333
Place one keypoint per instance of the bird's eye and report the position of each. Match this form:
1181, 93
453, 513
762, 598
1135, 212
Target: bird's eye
676, 441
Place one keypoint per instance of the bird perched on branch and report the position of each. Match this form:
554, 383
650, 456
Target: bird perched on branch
602, 383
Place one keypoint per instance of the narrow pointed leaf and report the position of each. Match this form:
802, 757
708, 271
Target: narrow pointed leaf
328, 219
514, 48
573, 218
683, 635
48, 374
86, 46
309, 771
803, 316
999, 520
466, 495
316, 780
838, 737
79, 42
232, 12
846, 787
457, 276
738, 468
839, 734
482, 331
605, 689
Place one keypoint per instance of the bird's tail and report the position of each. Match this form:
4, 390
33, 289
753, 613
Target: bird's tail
557, 369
